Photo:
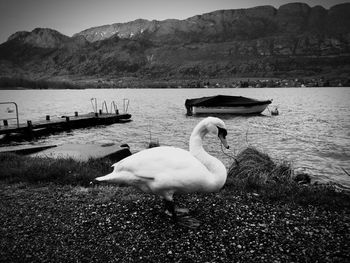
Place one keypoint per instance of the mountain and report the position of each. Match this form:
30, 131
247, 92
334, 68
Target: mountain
294, 40
229, 25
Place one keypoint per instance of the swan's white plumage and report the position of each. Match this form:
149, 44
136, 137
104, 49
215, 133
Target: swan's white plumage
166, 170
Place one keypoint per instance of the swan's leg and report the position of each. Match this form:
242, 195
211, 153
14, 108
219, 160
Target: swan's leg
186, 220
170, 209
169, 204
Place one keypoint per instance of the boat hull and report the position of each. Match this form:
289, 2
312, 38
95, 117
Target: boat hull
256, 109
224, 104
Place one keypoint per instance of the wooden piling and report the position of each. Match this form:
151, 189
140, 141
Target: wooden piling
29, 132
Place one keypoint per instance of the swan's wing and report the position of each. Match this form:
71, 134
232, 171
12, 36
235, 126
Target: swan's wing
151, 163
162, 168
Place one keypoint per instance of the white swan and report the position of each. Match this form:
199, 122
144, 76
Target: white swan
166, 170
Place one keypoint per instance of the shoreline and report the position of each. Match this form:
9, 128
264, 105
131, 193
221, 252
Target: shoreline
21, 88
14, 83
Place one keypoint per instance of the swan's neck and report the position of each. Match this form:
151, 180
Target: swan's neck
214, 166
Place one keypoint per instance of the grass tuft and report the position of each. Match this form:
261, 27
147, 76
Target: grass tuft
256, 171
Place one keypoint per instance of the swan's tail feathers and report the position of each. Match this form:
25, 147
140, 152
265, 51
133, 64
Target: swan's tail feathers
106, 178
109, 178
113, 177
121, 177
116, 177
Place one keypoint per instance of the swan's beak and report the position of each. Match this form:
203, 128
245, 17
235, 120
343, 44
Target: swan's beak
222, 135
223, 141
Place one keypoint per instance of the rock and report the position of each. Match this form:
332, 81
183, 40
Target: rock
83, 152
302, 178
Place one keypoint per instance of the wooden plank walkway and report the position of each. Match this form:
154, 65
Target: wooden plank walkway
50, 125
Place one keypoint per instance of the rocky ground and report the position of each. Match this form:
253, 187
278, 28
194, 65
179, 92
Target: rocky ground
53, 223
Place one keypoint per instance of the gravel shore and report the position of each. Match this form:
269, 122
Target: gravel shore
53, 223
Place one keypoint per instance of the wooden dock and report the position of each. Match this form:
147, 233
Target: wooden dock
50, 125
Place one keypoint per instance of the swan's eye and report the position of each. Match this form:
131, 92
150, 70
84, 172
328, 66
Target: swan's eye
222, 132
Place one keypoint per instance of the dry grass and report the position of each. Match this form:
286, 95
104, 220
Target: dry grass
256, 169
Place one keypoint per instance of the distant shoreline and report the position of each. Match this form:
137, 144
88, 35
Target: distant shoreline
14, 83
21, 88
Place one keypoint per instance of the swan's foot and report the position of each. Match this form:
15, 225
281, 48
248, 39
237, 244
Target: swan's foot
179, 215
173, 211
188, 221
177, 211
181, 211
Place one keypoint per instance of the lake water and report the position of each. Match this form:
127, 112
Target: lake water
312, 131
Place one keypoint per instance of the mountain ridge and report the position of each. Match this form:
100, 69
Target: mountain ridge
288, 15
294, 40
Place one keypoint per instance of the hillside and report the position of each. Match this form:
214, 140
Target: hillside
292, 41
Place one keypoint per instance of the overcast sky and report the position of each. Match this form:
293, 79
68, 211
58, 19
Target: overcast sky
72, 16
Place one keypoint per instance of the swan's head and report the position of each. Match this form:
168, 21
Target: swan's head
216, 126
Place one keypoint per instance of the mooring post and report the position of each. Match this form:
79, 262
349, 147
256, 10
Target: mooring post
47, 117
68, 124
76, 114
6, 123
100, 111
30, 133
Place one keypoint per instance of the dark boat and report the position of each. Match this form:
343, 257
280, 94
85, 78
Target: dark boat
222, 104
